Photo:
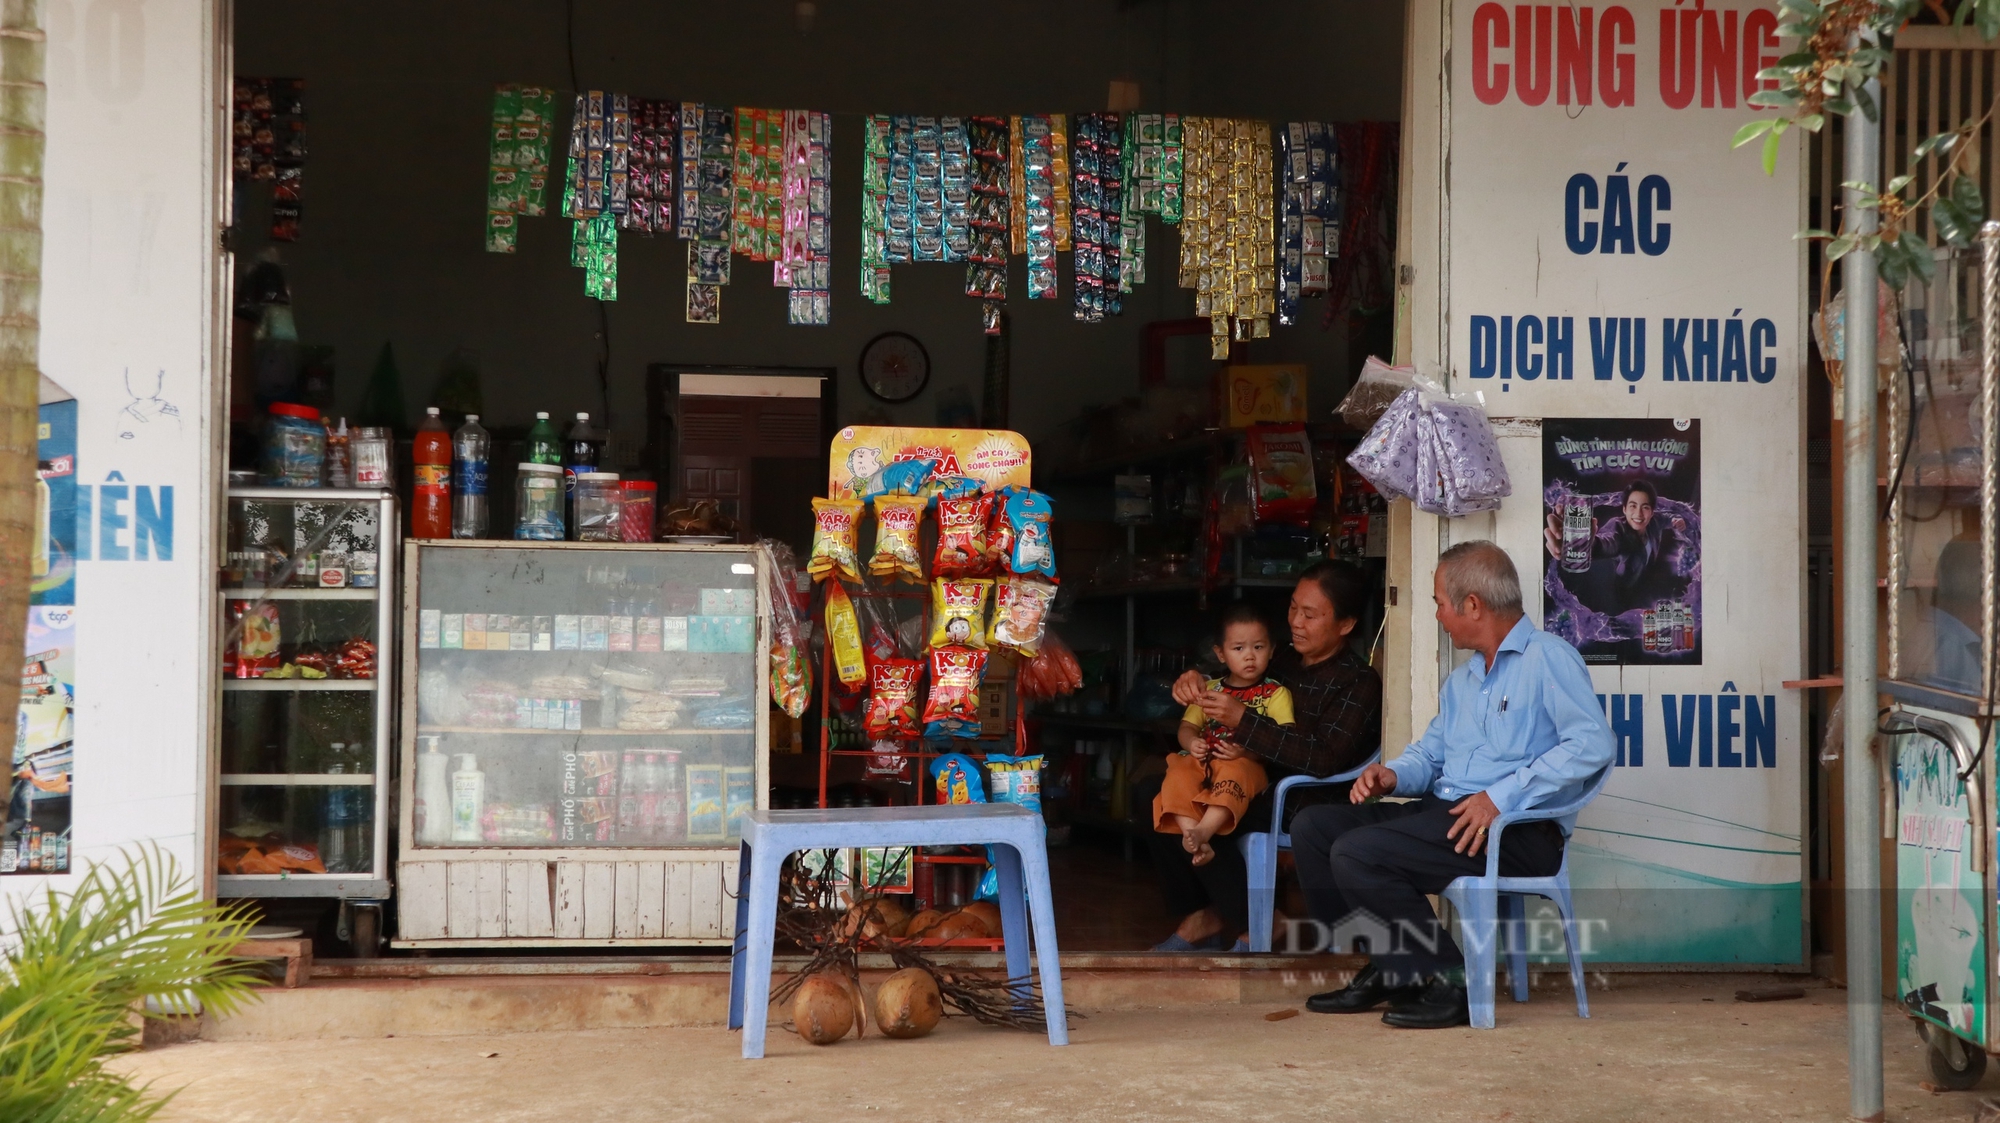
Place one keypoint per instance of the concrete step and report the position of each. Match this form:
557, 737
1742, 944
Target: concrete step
438, 997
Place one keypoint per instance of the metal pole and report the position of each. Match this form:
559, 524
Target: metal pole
1862, 162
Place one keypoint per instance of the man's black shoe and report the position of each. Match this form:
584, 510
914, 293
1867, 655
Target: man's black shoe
1368, 990
1439, 1006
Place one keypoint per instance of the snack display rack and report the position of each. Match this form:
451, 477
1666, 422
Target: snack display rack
617, 729
1001, 709
305, 736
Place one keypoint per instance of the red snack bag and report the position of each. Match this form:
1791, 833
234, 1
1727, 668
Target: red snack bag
962, 547
1281, 474
892, 699
953, 706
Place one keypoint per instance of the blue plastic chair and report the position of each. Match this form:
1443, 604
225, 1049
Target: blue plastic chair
1483, 903
1260, 851
1020, 855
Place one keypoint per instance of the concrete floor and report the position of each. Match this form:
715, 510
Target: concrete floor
1663, 1048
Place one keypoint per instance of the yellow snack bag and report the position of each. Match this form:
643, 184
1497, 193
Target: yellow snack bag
843, 633
899, 521
958, 612
836, 538
1020, 613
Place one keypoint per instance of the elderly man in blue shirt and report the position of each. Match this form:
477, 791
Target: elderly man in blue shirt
1518, 727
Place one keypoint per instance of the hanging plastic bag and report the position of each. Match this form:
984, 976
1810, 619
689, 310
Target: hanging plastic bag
1378, 385
1436, 450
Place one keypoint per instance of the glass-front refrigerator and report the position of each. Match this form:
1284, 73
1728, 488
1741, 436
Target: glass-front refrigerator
308, 613
583, 732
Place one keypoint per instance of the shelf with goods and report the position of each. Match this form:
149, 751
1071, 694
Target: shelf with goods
306, 590
599, 763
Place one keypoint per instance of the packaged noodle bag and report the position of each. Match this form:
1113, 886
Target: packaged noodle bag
1020, 613
843, 632
836, 534
1030, 549
952, 710
1281, 474
899, 523
958, 612
892, 699
962, 549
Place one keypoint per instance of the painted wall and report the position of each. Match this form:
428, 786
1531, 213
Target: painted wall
127, 263
392, 246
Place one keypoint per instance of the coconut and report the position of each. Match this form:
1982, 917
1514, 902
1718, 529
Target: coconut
907, 1004
875, 917
988, 914
959, 926
823, 1010
922, 923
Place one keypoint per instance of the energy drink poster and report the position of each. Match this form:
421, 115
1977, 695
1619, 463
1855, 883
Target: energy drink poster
35, 836
1621, 537
38, 805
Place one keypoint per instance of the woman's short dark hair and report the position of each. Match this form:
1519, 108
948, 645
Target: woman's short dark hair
1345, 584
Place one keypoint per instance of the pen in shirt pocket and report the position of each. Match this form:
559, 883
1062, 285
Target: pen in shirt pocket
1503, 703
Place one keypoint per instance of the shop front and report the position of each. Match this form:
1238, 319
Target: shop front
528, 537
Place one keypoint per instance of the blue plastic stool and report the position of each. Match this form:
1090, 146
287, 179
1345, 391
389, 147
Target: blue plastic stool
1015, 833
1260, 851
1483, 903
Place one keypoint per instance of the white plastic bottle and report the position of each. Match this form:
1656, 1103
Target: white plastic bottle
433, 809
471, 448
468, 799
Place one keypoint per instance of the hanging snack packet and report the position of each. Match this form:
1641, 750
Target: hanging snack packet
957, 779
950, 487
958, 612
1020, 613
962, 544
1030, 549
892, 699
836, 537
791, 679
898, 545
904, 477
1281, 474
952, 710
1015, 779
843, 631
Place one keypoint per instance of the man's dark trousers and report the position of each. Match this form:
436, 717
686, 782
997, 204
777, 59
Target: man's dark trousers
1384, 857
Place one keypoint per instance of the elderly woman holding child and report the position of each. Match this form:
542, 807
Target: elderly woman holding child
1314, 709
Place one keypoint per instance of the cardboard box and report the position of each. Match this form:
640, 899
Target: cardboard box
996, 708
1253, 395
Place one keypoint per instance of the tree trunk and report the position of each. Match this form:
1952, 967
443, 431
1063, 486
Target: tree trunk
23, 115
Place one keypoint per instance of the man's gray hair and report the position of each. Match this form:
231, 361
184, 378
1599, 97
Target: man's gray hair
1481, 569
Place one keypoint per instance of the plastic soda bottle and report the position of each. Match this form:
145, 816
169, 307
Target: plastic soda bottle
471, 448
544, 445
579, 455
430, 456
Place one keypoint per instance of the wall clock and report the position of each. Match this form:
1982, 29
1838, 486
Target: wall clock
895, 367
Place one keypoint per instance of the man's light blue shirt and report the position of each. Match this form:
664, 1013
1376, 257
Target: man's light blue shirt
1529, 732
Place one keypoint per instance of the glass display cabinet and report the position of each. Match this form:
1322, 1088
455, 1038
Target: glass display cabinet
584, 727
306, 599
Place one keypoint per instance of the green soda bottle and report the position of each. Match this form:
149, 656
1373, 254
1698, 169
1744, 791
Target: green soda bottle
544, 446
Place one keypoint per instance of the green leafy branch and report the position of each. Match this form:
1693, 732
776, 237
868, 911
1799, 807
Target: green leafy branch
1844, 44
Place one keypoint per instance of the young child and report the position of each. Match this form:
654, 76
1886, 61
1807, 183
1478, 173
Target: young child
1202, 796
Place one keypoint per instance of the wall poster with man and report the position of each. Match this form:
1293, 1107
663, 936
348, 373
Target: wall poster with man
1622, 538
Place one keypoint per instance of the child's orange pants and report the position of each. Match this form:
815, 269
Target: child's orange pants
1192, 787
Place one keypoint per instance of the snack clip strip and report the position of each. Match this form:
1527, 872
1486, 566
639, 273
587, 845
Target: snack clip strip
517, 161
1099, 189
1036, 235
1309, 168
987, 217
874, 209
808, 233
